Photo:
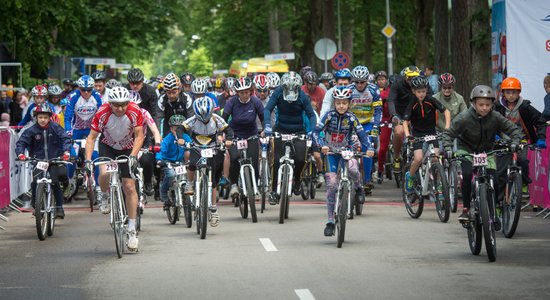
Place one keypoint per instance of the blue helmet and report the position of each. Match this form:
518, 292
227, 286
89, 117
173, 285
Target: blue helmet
64, 102
203, 107
85, 82
344, 73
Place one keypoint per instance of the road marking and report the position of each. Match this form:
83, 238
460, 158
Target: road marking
304, 294
268, 245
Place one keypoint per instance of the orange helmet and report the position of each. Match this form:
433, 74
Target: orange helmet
510, 83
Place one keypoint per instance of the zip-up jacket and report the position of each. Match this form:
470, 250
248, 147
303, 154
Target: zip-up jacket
44, 143
529, 119
289, 117
400, 96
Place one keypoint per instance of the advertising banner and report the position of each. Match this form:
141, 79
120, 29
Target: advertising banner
538, 172
498, 42
4, 168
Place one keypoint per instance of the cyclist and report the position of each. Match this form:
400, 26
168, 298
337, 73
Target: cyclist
67, 87
421, 115
343, 78
291, 103
367, 107
243, 110
54, 97
174, 101
112, 83
526, 117
326, 81
172, 152
83, 105
205, 128
148, 94
120, 123
100, 77
339, 125
382, 81
39, 94
399, 98
452, 100
45, 140
199, 89
274, 81
312, 89
475, 130
262, 92
186, 80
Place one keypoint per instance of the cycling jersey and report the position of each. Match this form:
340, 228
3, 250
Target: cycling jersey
366, 105
205, 134
423, 116
149, 98
289, 114
243, 116
80, 112
338, 129
182, 106
400, 96
117, 132
316, 96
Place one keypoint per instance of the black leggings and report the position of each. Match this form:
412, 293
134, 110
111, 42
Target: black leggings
147, 162
56, 172
467, 171
298, 154
216, 163
503, 161
252, 152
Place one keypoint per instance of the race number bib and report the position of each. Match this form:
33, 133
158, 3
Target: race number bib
430, 138
347, 155
308, 143
263, 140
208, 153
180, 170
286, 137
480, 160
111, 167
42, 165
242, 144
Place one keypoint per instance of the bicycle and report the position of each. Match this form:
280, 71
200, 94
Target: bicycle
286, 173
430, 182
248, 190
454, 179
309, 177
87, 182
44, 209
118, 215
482, 208
179, 200
264, 182
388, 162
138, 176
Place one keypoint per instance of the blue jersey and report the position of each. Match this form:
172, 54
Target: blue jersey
338, 129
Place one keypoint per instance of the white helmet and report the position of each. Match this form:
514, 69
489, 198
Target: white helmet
203, 107
273, 80
243, 83
134, 97
119, 94
360, 73
291, 83
199, 86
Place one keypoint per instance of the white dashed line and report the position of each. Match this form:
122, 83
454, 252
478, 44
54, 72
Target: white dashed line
268, 245
304, 294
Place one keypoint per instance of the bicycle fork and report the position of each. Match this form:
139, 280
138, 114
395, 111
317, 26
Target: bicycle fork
248, 168
285, 161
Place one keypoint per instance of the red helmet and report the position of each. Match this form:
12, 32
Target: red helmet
39, 90
42, 109
446, 78
260, 81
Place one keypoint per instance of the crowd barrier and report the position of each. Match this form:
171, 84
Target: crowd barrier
539, 163
15, 177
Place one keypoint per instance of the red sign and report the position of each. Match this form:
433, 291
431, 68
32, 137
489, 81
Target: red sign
340, 60
548, 45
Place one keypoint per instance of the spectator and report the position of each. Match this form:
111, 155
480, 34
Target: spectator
546, 112
5, 120
17, 106
432, 78
5, 101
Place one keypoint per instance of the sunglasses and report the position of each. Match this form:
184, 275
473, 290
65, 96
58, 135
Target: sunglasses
262, 91
361, 82
121, 104
87, 90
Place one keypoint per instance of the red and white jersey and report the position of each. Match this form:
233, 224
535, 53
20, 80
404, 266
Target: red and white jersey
147, 120
117, 132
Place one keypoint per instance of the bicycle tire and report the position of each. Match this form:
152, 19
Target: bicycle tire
312, 190
117, 224
243, 205
40, 215
304, 189
443, 206
358, 208
204, 206
453, 187
283, 196
343, 198
90, 194
250, 194
187, 210
171, 211
512, 206
414, 203
474, 231
487, 223
51, 222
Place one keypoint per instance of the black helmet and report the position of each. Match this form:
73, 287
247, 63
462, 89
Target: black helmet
419, 82
311, 77
135, 75
187, 78
67, 81
99, 75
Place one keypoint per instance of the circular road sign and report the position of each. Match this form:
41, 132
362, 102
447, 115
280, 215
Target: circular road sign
340, 60
325, 49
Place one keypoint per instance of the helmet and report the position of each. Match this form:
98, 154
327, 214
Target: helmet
411, 71
176, 120
67, 81
311, 77
99, 75
203, 107
220, 83
341, 92
171, 81
510, 83
243, 83
54, 90
43, 108
199, 86
134, 96
304, 70
85, 82
380, 74
446, 78
273, 79
230, 81
291, 83
64, 102
482, 91
326, 76
419, 82
112, 83
260, 81
344, 73
393, 78
39, 90
135, 75
187, 78
360, 73
209, 83
119, 94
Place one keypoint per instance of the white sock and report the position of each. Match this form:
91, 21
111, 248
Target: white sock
131, 224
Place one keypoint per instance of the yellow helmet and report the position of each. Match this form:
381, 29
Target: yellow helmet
411, 72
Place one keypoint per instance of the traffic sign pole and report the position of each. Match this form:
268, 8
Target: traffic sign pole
389, 41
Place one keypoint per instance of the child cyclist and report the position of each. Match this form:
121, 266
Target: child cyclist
422, 116
528, 119
475, 130
170, 151
339, 125
46, 140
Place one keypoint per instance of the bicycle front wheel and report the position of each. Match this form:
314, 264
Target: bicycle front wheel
187, 210
204, 206
342, 215
40, 215
118, 226
474, 231
250, 194
171, 212
51, 221
440, 190
414, 202
453, 186
283, 196
512, 205
487, 221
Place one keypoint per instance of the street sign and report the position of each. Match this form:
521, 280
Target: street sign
220, 72
325, 49
121, 66
388, 30
278, 56
340, 60
99, 61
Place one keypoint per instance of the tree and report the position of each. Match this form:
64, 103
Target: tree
480, 42
424, 12
441, 47
460, 41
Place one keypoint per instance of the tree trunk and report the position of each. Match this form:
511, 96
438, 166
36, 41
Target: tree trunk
424, 11
347, 35
480, 46
441, 51
311, 35
274, 45
460, 50
367, 57
285, 37
329, 20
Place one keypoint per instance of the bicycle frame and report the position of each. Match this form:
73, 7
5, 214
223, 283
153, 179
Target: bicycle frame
246, 166
115, 187
179, 181
286, 161
424, 169
343, 178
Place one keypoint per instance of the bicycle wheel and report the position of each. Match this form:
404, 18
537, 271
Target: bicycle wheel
250, 194
204, 206
116, 210
40, 214
512, 205
487, 221
440, 190
358, 208
312, 190
304, 189
187, 209
172, 212
453, 187
414, 202
243, 205
343, 198
283, 196
51, 221
474, 231
262, 187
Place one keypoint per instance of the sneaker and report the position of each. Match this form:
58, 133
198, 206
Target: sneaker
214, 217
409, 182
234, 190
496, 224
359, 196
224, 181
190, 188
104, 206
368, 188
296, 189
397, 165
273, 198
525, 191
329, 229
133, 241
167, 204
148, 189
465, 216
380, 178
59, 212
320, 179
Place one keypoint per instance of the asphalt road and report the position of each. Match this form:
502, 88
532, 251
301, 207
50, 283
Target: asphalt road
387, 255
